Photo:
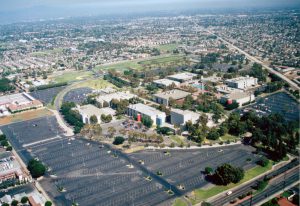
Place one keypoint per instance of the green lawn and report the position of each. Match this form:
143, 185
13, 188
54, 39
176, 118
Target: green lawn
167, 47
95, 84
159, 61
179, 202
47, 52
201, 195
177, 139
227, 137
72, 76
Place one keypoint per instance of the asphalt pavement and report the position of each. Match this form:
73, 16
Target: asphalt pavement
224, 199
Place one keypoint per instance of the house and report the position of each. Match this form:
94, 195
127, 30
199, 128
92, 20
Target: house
182, 77
242, 82
175, 94
163, 83
89, 110
157, 116
239, 97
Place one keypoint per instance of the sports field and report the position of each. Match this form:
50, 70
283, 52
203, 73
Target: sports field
167, 48
71, 76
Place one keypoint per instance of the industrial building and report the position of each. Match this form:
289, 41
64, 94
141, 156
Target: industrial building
157, 116
239, 97
89, 110
163, 83
164, 97
106, 99
9, 167
182, 77
242, 82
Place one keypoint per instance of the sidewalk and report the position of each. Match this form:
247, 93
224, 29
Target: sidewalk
69, 131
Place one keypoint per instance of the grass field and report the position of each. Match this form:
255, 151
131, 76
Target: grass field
179, 202
201, 195
227, 137
177, 139
71, 76
153, 62
24, 116
95, 84
166, 48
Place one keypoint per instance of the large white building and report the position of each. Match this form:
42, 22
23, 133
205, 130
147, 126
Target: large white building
182, 77
239, 97
179, 117
242, 82
164, 97
117, 95
89, 110
163, 83
157, 116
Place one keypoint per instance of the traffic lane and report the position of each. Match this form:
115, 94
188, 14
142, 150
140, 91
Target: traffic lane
245, 189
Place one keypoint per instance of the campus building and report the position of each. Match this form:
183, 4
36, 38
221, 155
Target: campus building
182, 77
107, 98
89, 110
175, 94
9, 167
239, 97
157, 116
242, 82
163, 83
17, 102
180, 117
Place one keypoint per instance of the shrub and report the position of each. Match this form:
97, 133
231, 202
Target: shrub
118, 140
24, 200
48, 203
263, 162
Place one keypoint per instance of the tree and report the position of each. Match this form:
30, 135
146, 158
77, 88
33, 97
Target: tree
5, 204
213, 134
118, 140
48, 203
263, 162
106, 118
226, 174
93, 119
111, 131
208, 170
14, 203
36, 168
24, 200
147, 121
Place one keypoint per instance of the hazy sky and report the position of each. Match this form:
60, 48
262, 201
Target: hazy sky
18, 10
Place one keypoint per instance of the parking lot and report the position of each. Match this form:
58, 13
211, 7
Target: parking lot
77, 96
84, 172
46, 95
185, 167
281, 103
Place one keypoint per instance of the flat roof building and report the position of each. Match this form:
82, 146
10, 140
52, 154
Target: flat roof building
89, 110
164, 97
179, 117
242, 82
158, 117
239, 97
182, 77
102, 99
163, 83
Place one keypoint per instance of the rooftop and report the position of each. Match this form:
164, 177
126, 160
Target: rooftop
116, 95
145, 109
238, 79
183, 76
90, 110
166, 82
237, 95
174, 94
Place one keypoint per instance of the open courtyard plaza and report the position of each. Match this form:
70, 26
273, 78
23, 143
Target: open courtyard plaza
88, 173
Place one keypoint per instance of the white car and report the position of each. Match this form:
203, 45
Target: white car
229, 192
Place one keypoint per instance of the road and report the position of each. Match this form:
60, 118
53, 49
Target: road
224, 199
254, 59
275, 186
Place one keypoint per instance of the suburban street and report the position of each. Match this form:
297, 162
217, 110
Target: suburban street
252, 58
